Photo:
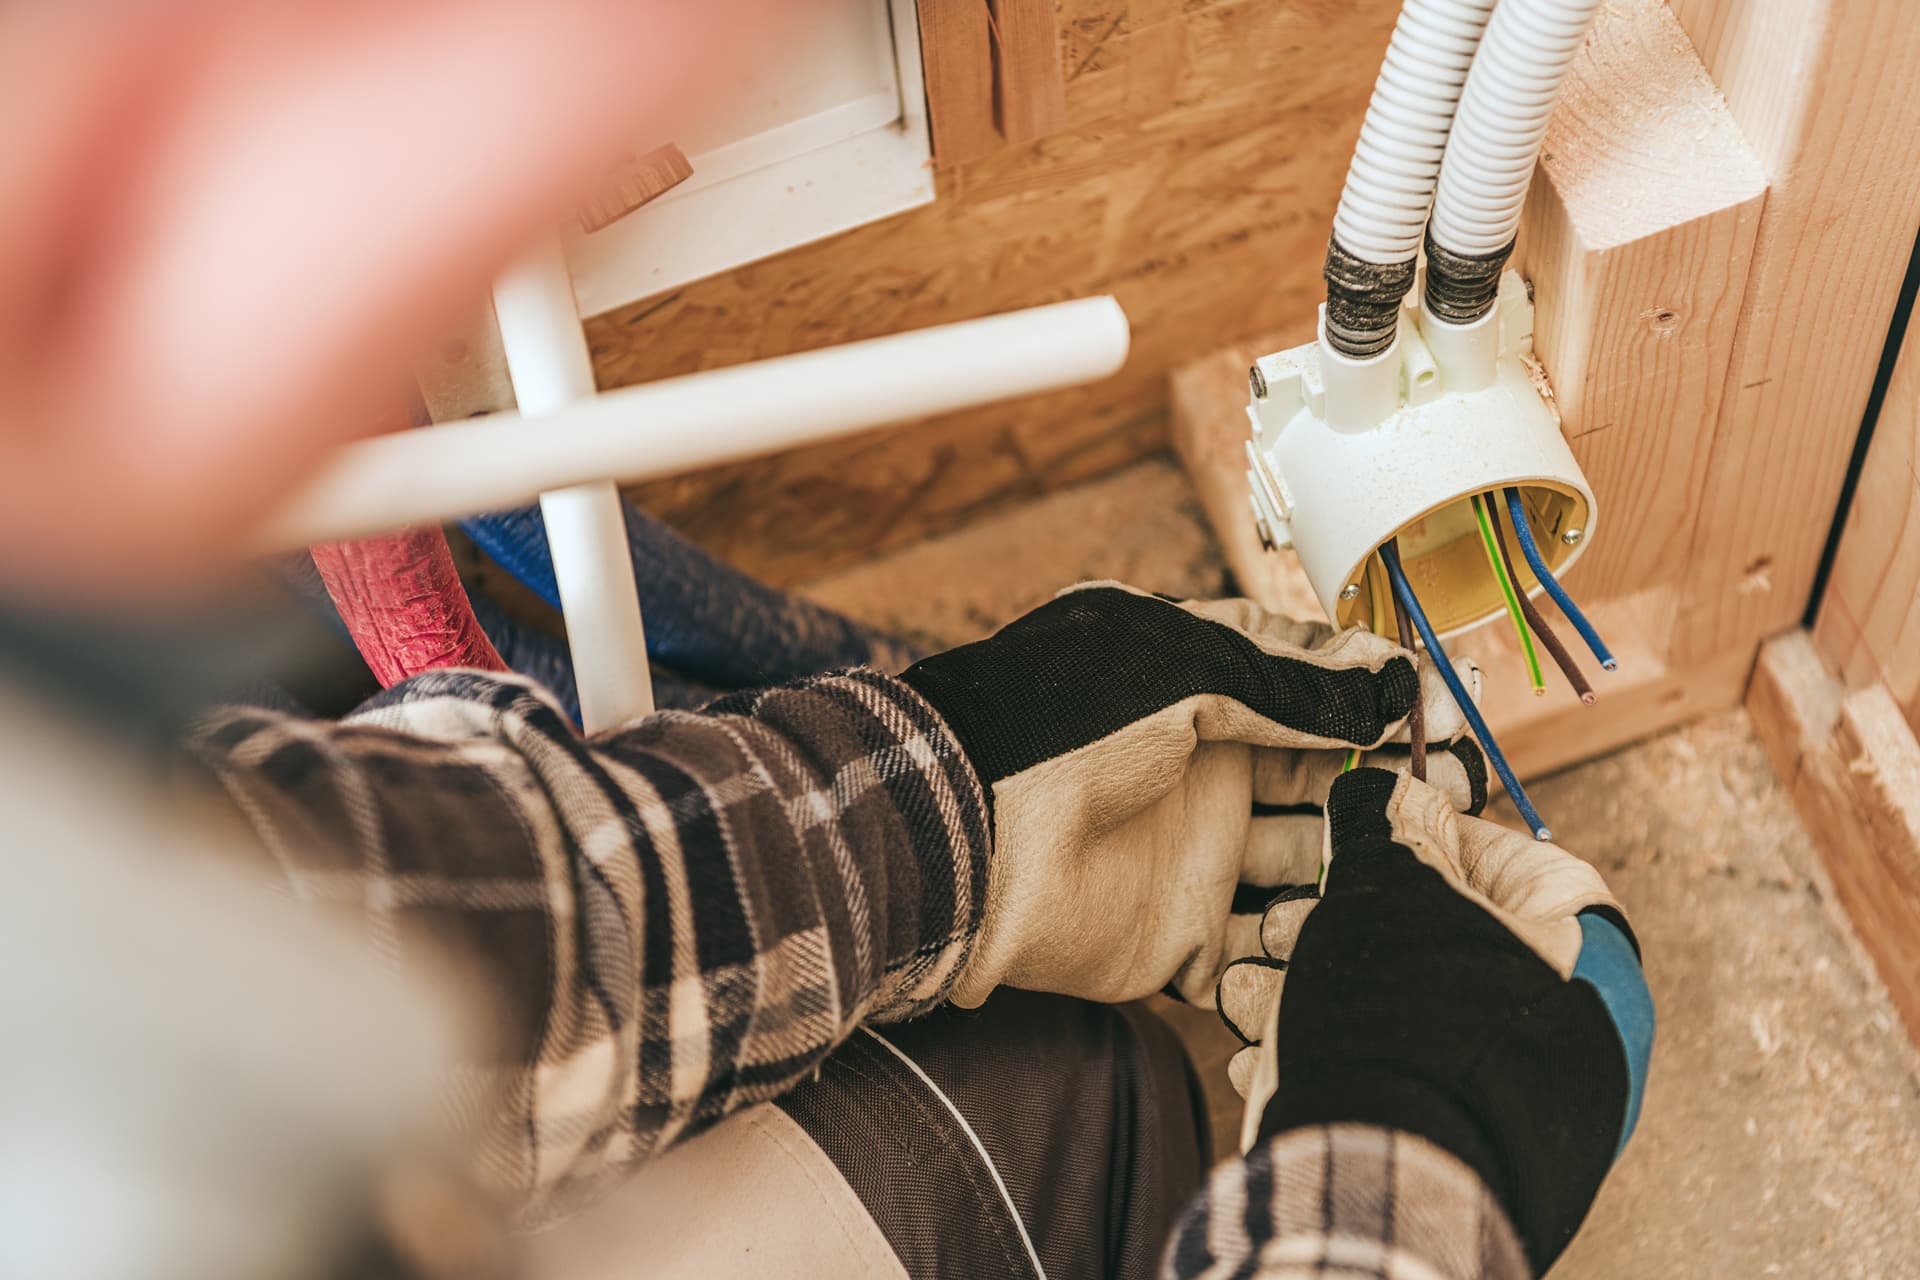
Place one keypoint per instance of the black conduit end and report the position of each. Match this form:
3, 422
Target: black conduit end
1462, 287
1363, 302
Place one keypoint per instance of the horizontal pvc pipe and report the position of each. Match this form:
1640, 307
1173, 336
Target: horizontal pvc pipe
677, 424
547, 357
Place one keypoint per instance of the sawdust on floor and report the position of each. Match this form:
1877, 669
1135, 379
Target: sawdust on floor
1782, 1121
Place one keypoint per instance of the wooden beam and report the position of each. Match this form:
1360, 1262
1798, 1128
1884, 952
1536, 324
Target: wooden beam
1823, 91
1032, 89
956, 51
1852, 766
1637, 237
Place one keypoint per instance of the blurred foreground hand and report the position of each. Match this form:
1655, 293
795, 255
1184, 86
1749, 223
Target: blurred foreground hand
228, 227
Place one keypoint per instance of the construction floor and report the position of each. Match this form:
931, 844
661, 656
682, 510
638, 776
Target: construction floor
1781, 1135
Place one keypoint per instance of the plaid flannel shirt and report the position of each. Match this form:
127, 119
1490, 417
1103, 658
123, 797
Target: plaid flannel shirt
674, 920
684, 917
1346, 1202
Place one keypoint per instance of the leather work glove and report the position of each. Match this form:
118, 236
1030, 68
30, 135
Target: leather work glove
1125, 741
1457, 981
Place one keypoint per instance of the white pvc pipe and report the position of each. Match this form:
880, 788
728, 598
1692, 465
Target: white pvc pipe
1524, 58
633, 433
547, 357
1383, 207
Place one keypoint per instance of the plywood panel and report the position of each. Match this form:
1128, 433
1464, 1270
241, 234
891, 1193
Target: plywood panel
1205, 145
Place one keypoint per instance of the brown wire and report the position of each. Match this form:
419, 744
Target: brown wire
1417, 720
1562, 659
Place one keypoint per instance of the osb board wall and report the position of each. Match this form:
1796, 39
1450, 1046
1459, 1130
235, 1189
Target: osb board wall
1196, 180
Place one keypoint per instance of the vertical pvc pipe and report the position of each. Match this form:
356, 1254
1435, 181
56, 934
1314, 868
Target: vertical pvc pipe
547, 357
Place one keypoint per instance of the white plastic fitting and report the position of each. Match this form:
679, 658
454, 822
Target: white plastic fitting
1463, 415
551, 368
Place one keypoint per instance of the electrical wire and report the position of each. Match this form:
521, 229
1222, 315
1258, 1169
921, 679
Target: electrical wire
1535, 619
1390, 556
1518, 513
1417, 718
1503, 574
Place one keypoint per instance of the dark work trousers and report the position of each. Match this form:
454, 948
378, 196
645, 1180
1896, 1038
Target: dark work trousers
1035, 1136
1036, 1126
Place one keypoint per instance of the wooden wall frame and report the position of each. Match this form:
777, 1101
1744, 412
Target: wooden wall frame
1674, 237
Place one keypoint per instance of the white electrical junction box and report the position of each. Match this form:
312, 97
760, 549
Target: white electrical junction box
1347, 453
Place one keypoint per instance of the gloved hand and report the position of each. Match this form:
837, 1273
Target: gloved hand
1458, 981
1124, 740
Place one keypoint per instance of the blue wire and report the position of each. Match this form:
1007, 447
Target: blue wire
1390, 556
705, 618
1531, 550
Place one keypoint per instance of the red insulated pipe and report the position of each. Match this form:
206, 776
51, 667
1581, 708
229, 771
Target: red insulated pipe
403, 601
405, 605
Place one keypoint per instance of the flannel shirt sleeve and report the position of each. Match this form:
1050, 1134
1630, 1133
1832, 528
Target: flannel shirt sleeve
672, 921
1345, 1202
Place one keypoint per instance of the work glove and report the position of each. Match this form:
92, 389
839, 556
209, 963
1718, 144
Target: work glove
1458, 981
1124, 740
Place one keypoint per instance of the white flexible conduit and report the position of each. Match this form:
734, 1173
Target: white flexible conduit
1390, 183
1524, 58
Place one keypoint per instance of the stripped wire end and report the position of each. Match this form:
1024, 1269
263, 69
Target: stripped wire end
1502, 574
1410, 606
1562, 659
1517, 512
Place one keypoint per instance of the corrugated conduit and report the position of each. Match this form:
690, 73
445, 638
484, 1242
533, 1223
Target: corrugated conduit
1524, 57
1390, 183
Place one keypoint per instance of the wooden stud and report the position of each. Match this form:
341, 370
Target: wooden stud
957, 52
1852, 766
1822, 90
632, 182
1637, 237
1032, 89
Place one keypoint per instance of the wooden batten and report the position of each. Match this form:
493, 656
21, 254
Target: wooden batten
1850, 762
957, 55
1032, 89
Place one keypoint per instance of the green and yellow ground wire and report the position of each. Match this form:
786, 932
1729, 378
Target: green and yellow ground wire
1498, 563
